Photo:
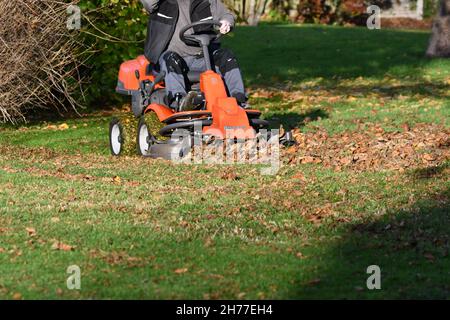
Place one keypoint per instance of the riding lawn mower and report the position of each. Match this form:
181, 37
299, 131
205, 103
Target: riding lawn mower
154, 126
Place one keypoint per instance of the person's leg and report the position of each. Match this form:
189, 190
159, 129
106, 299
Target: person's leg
175, 68
192, 99
227, 65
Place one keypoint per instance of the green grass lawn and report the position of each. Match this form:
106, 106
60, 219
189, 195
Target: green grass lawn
143, 229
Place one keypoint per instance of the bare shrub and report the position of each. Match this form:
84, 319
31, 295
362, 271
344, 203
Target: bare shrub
39, 58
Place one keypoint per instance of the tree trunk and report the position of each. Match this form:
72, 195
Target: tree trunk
419, 9
252, 16
440, 40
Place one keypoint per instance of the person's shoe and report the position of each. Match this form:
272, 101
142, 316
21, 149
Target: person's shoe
241, 99
187, 103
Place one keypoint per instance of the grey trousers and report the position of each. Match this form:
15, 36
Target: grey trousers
176, 67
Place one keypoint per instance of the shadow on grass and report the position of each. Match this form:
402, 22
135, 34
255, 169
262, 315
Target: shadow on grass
291, 120
434, 90
37, 116
430, 172
411, 248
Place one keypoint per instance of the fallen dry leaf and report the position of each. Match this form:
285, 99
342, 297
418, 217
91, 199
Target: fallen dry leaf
429, 157
50, 127
299, 176
313, 282
63, 126
181, 270
241, 295
117, 180
307, 159
17, 296
58, 245
31, 232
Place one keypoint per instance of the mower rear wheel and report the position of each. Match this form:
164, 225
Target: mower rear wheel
122, 131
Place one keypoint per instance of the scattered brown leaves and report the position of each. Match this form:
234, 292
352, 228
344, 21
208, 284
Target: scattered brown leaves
407, 23
60, 172
230, 174
61, 127
120, 258
373, 149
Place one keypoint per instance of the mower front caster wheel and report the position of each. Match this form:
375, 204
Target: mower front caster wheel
122, 133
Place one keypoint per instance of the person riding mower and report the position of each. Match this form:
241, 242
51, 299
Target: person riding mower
178, 94
176, 57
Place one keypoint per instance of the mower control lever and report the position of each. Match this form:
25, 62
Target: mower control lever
157, 80
147, 87
142, 98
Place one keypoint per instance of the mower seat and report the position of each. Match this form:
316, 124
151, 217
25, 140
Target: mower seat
194, 76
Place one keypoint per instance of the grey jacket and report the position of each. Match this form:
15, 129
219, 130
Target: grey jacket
168, 17
218, 10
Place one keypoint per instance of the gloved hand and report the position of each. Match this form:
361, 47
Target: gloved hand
225, 27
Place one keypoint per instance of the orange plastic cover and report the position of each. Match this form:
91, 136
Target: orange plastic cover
127, 73
161, 111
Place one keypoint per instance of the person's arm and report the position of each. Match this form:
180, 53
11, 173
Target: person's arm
222, 14
150, 5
